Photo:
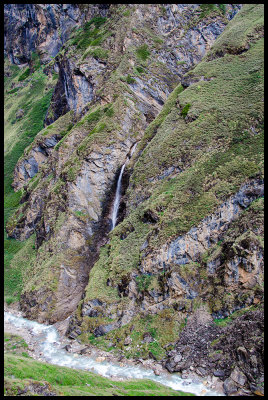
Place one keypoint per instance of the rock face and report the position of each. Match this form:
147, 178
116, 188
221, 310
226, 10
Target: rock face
42, 28
86, 189
160, 89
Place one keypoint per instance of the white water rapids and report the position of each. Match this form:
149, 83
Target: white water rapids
48, 340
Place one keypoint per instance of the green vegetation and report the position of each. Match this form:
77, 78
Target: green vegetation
20, 372
143, 282
36, 64
142, 52
211, 9
140, 70
98, 52
130, 79
24, 75
18, 257
245, 27
19, 133
89, 34
185, 110
209, 159
226, 321
163, 329
15, 344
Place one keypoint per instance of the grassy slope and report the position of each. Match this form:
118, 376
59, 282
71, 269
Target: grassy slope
218, 148
32, 95
21, 371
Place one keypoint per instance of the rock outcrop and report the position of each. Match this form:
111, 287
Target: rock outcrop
174, 92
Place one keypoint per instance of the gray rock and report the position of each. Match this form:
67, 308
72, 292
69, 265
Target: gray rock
229, 387
127, 341
219, 372
177, 358
238, 377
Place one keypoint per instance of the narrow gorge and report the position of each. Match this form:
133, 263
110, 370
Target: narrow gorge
134, 188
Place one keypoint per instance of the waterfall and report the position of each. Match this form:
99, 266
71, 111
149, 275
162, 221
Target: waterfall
117, 198
118, 190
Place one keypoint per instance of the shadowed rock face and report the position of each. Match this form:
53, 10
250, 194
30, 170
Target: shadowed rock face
43, 28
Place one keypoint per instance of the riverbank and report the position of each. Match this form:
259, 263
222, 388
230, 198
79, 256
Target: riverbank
46, 344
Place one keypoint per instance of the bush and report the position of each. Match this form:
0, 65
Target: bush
10, 299
143, 52
130, 80
185, 110
140, 70
24, 75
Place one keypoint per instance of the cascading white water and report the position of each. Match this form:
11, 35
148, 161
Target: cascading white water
117, 197
47, 339
118, 191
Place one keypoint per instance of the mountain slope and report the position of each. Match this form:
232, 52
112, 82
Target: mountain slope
184, 84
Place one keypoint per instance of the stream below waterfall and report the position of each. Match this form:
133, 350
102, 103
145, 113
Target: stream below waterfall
48, 343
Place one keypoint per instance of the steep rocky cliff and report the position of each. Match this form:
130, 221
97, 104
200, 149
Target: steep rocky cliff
176, 93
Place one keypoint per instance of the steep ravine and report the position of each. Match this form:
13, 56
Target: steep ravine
182, 85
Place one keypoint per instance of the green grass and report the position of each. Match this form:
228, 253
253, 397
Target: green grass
19, 134
69, 382
142, 52
90, 34
18, 257
24, 75
185, 110
215, 153
130, 79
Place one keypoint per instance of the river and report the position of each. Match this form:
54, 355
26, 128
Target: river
48, 343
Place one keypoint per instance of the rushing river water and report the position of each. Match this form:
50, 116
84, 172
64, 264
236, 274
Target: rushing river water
49, 343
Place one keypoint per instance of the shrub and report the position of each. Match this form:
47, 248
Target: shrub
185, 110
10, 299
140, 70
143, 52
24, 75
130, 80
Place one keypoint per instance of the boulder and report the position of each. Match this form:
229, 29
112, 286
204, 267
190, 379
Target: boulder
238, 377
229, 387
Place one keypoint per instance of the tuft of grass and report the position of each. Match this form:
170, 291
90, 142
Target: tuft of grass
24, 75
185, 110
142, 52
130, 80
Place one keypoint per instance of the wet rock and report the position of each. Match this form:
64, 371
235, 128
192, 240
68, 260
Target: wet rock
177, 358
238, 377
201, 371
103, 329
242, 354
19, 113
85, 350
158, 370
219, 373
100, 359
229, 387
67, 347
